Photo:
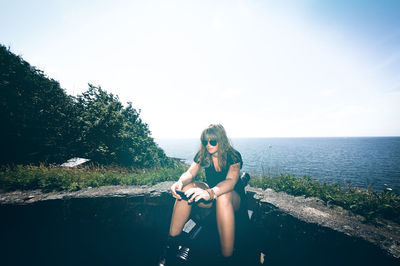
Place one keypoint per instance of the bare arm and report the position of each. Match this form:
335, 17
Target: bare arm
230, 181
188, 176
185, 179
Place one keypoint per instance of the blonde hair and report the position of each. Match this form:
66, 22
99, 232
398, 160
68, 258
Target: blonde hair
215, 132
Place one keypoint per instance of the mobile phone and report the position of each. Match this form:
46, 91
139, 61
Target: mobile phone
182, 194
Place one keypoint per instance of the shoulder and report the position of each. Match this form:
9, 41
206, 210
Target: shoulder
196, 157
235, 153
234, 157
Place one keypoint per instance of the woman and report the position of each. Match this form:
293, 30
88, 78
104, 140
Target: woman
222, 165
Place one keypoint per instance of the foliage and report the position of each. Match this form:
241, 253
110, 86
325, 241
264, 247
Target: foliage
370, 204
56, 178
36, 114
42, 124
112, 134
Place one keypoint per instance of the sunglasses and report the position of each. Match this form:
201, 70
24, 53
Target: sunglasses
212, 142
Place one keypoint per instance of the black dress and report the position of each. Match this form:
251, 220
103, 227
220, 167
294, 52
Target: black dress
213, 177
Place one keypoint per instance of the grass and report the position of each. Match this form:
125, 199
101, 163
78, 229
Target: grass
56, 178
373, 205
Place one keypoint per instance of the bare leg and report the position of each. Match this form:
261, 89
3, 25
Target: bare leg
226, 205
180, 215
182, 210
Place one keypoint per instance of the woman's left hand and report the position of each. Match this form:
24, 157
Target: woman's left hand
196, 194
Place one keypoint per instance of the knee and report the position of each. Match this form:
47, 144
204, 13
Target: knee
188, 186
224, 200
195, 185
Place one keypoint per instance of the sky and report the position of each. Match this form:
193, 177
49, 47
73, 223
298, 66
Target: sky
260, 68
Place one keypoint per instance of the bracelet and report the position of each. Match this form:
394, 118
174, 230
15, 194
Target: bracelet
215, 195
212, 194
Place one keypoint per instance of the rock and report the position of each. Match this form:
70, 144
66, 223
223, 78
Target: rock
75, 162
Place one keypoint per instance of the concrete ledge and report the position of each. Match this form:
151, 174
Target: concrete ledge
386, 234
32, 196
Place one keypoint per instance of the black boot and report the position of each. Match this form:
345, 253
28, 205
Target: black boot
191, 231
168, 252
183, 253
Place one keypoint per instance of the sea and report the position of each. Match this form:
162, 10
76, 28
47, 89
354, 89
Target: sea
367, 162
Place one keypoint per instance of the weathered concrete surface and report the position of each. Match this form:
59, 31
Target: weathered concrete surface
312, 210
27, 197
385, 235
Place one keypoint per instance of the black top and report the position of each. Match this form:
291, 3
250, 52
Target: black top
213, 177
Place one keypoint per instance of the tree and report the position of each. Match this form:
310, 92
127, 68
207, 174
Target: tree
112, 134
43, 124
36, 113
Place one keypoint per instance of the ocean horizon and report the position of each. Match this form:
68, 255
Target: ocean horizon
359, 161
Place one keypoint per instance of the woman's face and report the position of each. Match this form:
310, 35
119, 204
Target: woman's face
211, 146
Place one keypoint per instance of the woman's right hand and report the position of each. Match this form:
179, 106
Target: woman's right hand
176, 186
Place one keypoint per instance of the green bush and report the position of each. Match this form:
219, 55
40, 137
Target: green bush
372, 205
56, 178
